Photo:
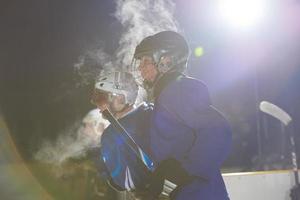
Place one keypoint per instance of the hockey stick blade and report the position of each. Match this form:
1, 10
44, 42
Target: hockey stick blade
275, 111
147, 161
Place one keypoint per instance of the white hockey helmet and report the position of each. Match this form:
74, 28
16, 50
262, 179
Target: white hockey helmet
119, 83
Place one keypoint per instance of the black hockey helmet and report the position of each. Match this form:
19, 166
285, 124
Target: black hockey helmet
165, 43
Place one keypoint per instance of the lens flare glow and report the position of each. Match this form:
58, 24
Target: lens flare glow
199, 51
17, 181
242, 13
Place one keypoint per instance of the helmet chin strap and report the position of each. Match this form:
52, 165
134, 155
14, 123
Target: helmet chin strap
162, 70
118, 109
148, 85
121, 111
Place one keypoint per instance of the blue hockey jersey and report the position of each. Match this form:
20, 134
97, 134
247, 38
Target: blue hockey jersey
124, 169
185, 126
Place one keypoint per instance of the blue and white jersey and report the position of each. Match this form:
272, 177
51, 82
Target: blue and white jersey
124, 169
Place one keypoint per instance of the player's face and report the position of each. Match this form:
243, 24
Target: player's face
117, 103
147, 68
100, 99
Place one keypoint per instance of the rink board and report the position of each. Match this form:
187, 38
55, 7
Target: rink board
268, 185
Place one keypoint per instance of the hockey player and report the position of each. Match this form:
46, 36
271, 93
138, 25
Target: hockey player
117, 92
189, 138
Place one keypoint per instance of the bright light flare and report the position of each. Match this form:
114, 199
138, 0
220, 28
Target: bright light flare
198, 51
242, 13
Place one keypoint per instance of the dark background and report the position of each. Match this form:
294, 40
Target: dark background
41, 40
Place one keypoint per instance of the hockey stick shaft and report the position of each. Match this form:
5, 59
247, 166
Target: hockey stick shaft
294, 156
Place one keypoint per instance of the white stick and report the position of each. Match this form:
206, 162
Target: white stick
275, 111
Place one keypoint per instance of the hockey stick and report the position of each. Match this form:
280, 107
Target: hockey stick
286, 119
275, 111
147, 161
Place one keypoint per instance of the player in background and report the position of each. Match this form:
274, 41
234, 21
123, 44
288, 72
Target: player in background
117, 92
